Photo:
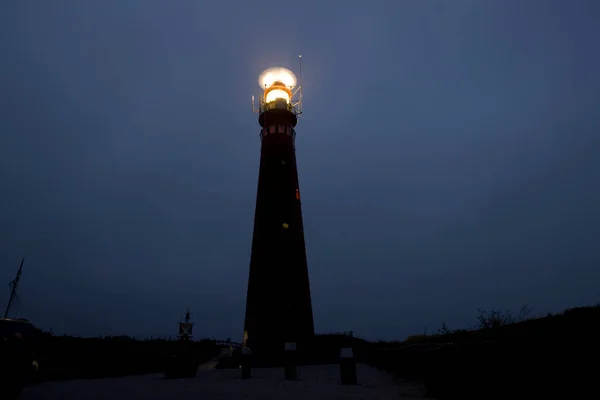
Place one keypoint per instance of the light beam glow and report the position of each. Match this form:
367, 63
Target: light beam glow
277, 74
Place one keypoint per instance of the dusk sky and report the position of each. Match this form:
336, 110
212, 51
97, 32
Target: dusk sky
447, 155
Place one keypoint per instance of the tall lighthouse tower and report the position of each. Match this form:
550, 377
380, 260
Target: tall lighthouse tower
278, 304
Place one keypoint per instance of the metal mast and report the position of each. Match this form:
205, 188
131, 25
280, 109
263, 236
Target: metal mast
13, 288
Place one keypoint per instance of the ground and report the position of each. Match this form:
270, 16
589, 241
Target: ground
314, 383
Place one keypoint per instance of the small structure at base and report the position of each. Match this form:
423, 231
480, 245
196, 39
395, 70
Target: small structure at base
184, 364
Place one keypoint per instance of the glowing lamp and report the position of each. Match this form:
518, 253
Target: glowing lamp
277, 83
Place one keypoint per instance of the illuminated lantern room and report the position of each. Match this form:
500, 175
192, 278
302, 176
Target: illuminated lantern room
276, 91
279, 86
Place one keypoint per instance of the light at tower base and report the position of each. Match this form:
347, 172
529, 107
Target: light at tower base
278, 303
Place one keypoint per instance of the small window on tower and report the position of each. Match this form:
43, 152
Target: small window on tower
272, 129
289, 131
281, 129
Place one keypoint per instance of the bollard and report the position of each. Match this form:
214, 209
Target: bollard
246, 363
347, 367
289, 361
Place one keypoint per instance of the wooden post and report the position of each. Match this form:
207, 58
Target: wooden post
246, 363
290, 360
347, 367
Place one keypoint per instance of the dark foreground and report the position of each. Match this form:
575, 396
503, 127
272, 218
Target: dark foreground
554, 356
314, 383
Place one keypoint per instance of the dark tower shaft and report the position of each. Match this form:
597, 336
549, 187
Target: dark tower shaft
278, 305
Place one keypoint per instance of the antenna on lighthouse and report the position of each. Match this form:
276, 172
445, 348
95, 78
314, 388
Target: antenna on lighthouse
299, 88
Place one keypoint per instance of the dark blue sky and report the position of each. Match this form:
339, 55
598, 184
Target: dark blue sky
447, 159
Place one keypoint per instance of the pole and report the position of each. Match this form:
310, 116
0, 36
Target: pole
13, 291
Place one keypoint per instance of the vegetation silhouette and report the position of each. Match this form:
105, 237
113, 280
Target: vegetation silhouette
503, 356
69, 357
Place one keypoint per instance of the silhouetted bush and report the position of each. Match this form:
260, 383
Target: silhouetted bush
69, 357
508, 357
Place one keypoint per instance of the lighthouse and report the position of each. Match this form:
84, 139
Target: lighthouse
278, 302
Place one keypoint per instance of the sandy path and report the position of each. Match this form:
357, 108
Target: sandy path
314, 382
